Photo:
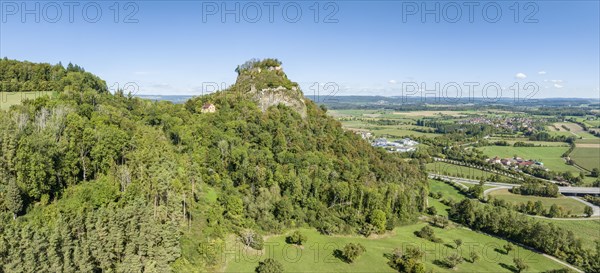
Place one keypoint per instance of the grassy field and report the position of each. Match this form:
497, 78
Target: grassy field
399, 132
8, 99
485, 187
316, 255
588, 141
586, 230
575, 128
459, 171
512, 141
568, 204
446, 190
389, 131
551, 156
433, 113
439, 207
588, 158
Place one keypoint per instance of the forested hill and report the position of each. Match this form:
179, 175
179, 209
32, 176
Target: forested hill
16, 76
92, 181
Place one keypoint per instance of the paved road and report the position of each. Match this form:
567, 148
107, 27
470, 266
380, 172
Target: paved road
568, 190
498, 186
594, 207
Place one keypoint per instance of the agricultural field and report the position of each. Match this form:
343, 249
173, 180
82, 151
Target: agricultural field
421, 114
7, 99
393, 132
512, 141
585, 157
317, 254
365, 120
459, 171
590, 121
550, 156
574, 129
592, 140
567, 203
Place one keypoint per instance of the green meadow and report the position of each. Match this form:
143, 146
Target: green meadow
567, 203
317, 254
588, 158
447, 191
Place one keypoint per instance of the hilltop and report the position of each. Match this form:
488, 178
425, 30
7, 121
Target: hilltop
266, 83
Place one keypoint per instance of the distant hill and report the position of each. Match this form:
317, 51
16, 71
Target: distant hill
17, 76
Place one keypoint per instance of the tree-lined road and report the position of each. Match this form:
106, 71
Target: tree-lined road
498, 185
563, 190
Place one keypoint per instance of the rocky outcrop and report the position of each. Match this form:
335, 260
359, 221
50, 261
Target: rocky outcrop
268, 97
266, 84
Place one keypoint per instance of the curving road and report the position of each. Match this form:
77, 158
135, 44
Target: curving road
567, 190
498, 186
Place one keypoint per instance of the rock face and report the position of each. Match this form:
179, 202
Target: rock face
268, 97
266, 84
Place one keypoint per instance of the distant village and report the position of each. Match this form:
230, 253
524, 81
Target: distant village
506, 123
516, 162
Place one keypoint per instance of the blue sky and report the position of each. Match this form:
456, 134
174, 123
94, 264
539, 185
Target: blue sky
364, 47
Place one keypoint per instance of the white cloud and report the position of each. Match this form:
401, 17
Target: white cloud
392, 82
556, 81
542, 73
520, 76
558, 85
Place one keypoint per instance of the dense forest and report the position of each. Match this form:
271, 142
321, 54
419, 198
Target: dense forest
92, 181
16, 76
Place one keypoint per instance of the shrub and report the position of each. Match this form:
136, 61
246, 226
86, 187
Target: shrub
588, 211
440, 221
520, 265
426, 232
453, 260
296, 238
252, 239
408, 261
474, 256
269, 266
378, 219
431, 210
352, 251
458, 242
508, 247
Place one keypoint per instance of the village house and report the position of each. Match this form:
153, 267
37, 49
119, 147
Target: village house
208, 108
515, 162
